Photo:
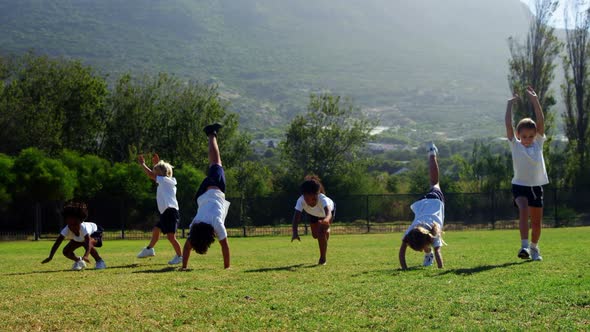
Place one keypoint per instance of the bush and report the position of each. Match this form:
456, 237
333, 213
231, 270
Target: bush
91, 172
7, 178
188, 180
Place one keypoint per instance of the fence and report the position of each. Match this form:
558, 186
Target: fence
272, 215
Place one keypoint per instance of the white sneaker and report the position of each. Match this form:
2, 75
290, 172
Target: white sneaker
100, 265
145, 252
536, 254
432, 149
428, 259
175, 260
79, 265
524, 253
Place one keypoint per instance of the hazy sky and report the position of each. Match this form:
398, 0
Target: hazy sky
558, 17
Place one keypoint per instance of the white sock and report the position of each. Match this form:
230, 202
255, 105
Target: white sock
534, 245
524, 243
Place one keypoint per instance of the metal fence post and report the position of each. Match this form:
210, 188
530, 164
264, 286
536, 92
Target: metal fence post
493, 201
37, 221
367, 214
555, 215
122, 218
244, 230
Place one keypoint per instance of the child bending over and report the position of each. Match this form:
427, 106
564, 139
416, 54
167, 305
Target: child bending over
425, 232
320, 209
81, 234
212, 207
167, 206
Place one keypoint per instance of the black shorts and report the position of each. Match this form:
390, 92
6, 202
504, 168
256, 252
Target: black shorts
314, 219
434, 193
534, 194
169, 221
97, 236
215, 178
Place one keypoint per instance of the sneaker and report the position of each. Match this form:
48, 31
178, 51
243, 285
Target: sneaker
432, 149
428, 259
212, 129
100, 265
536, 254
79, 265
524, 253
175, 260
145, 252
322, 261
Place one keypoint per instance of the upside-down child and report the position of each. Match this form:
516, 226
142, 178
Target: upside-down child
212, 207
530, 174
167, 206
320, 209
81, 234
425, 232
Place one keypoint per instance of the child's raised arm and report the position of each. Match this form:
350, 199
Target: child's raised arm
508, 117
539, 117
146, 169
296, 220
56, 245
402, 255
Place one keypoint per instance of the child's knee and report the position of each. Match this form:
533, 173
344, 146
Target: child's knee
67, 251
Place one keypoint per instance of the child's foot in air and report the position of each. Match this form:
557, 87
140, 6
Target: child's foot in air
175, 260
145, 252
79, 265
432, 149
536, 254
212, 129
524, 253
322, 261
428, 259
100, 265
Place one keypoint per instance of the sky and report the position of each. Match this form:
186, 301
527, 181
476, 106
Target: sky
559, 15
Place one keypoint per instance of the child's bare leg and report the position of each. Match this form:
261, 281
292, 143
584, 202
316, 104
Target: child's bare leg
175, 243
323, 244
523, 214
433, 170
214, 155
69, 249
536, 223
155, 237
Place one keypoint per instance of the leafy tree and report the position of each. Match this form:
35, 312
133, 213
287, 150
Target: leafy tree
91, 172
7, 178
575, 94
326, 139
39, 178
487, 170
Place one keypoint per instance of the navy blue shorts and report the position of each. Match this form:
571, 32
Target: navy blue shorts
97, 236
169, 221
215, 178
314, 219
434, 193
534, 195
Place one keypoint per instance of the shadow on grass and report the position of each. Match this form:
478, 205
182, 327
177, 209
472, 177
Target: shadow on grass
281, 268
164, 270
481, 268
128, 266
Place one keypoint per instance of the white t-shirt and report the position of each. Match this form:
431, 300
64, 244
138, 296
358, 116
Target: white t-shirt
427, 212
166, 193
318, 209
528, 163
212, 210
86, 228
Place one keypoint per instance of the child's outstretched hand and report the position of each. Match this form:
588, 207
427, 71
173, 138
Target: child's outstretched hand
141, 159
155, 158
85, 258
531, 93
514, 98
47, 260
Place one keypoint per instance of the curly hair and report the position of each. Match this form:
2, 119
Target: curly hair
201, 236
420, 236
312, 185
77, 210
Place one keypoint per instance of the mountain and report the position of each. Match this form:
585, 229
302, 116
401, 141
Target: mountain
436, 65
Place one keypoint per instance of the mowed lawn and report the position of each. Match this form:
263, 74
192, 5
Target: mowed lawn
275, 285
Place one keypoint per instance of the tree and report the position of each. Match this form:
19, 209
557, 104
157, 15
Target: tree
51, 104
533, 63
575, 91
486, 170
326, 139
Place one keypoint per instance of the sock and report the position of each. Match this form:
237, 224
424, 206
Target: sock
534, 245
524, 243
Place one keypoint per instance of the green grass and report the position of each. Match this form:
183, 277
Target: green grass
274, 285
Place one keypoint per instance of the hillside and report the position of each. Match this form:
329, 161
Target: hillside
427, 64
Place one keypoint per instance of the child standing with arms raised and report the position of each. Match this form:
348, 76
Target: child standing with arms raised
167, 205
320, 209
529, 173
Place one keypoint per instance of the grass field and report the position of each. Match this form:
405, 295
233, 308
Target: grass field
274, 285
